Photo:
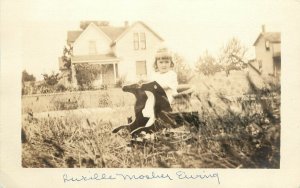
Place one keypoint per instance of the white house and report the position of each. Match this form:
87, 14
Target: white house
268, 54
127, 51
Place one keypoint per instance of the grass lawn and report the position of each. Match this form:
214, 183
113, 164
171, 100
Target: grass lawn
235, 134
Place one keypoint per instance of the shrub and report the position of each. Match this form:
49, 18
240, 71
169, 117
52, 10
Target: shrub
104, 100
65, 104
208, 65
26, 77
51, 79
183, 70
86, 74
60, 88
121, 81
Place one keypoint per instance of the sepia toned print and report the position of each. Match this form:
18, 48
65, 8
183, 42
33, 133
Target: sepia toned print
106, 107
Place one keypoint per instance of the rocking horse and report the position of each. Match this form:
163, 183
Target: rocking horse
151, 96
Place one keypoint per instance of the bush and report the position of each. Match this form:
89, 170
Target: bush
86, 74
208, 65
183, 70
51, 79
120, 81
65, 104
27, 77
104, 101
60, 88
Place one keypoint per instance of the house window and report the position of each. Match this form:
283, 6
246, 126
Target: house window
267, 45
143, 41
139, 41
141, 69
92, 47
136, 41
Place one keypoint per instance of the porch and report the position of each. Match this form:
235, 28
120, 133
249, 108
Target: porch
105, 74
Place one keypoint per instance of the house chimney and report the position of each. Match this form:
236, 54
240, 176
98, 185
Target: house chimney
126, 24
263, 29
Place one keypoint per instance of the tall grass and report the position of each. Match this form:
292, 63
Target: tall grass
243, 132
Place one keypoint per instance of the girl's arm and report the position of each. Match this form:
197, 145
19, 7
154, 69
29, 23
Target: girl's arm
166, 81
171, 81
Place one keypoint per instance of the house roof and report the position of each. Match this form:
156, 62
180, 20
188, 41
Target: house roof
114, 33
253, 67
274, 37
142, 23
73, 35
93, 58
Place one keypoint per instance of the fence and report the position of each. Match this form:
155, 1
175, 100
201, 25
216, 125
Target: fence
113, 97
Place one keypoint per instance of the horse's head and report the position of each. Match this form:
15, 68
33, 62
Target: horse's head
154, 88
130, 88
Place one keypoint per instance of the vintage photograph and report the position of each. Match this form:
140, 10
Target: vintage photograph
131, 93
125, 95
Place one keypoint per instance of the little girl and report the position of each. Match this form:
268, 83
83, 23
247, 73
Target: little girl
167, 79
164, 75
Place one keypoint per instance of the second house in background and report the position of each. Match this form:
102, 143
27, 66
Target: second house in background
268, 54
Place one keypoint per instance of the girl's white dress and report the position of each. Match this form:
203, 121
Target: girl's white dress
168, 81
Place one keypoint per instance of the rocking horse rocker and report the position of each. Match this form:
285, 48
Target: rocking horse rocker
153, 111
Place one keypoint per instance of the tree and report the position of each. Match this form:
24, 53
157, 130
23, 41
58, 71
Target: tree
208, 65
27, 77
67, 54
27, 89
182, 69
66, 59
232, 55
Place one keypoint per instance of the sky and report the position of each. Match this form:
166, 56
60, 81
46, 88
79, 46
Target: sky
188, 27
